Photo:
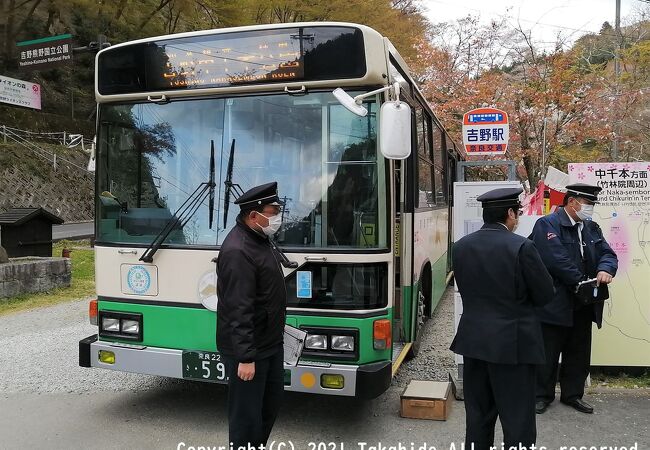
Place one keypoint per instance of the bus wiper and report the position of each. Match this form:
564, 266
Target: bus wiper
229, 184
212, 186
186, 211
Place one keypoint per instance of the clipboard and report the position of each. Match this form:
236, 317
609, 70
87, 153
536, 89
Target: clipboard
294, 340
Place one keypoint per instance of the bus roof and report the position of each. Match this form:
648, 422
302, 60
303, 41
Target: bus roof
374, 50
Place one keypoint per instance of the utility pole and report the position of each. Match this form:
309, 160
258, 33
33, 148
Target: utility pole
94, 46
617, 74
543, 174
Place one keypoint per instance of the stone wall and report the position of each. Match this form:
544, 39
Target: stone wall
28, 180
33, 274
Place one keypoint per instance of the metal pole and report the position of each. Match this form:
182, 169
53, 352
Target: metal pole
542, 175
617, 74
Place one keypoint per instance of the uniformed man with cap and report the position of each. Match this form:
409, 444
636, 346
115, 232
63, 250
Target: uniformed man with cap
501, 279
573, 249
250, 317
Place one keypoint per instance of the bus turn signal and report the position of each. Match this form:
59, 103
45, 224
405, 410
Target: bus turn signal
382, 334
92, 312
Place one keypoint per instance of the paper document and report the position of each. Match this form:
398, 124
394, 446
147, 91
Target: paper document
294, 339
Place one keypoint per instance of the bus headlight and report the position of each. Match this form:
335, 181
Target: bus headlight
331, 343
316, 342
343, 343
120, 325
110, 324
130, 326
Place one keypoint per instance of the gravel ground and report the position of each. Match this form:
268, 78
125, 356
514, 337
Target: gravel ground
39, 349
39, 354
101, 409
435, 360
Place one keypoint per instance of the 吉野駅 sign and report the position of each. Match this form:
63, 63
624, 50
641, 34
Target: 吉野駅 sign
45, 53
485, 131
20, 93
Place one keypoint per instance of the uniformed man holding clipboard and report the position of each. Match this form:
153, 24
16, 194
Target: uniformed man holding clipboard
251, 317
574, 250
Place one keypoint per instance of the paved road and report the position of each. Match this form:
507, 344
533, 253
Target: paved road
73, 231
47, 401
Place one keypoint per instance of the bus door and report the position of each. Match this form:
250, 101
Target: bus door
451, 177
401, 257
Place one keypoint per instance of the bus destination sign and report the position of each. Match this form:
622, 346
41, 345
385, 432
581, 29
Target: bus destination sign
273, 58
231, 59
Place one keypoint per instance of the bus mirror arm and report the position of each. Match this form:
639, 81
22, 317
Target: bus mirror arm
354, 105
395, 87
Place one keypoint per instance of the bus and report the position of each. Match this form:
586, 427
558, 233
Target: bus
185, 122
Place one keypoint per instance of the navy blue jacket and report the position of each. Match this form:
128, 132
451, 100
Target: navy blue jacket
501, 278
556, 239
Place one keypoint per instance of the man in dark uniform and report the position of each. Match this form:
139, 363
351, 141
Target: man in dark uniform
501, 278
573, 249
250, 317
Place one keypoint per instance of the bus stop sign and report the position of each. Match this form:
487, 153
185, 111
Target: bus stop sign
485, 131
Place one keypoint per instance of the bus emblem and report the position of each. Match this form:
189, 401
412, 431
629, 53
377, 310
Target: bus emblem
138, 279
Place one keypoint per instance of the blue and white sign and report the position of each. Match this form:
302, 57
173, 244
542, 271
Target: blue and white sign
486, 131
303, 284
139, 279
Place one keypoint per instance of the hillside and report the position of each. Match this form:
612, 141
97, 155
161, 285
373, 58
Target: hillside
29, 179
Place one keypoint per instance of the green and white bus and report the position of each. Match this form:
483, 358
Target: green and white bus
187, 121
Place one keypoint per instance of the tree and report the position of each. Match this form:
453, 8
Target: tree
546, 94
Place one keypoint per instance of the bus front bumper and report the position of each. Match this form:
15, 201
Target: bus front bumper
364, 381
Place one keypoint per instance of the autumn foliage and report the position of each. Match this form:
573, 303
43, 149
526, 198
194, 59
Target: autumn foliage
566, 100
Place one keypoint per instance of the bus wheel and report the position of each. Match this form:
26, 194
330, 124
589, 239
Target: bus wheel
419, 324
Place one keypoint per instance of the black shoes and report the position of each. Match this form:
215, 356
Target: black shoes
541, 406
579, 405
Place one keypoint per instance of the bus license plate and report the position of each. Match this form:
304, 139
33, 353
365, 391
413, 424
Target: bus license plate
204, 366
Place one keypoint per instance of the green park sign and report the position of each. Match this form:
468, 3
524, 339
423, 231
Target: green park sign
45, 53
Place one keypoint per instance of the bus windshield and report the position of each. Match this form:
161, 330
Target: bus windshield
152, 156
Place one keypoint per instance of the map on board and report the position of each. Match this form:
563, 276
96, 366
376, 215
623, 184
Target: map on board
624, 216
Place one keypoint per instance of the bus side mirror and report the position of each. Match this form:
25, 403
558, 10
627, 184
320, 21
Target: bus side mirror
395, 130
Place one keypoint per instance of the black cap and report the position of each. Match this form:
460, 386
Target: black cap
586, 191
500, 198
264, 194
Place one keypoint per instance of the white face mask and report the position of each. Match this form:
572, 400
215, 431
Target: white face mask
586, 212
274, 224
516, 225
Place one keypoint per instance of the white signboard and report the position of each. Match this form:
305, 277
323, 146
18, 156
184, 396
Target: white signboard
624, 216
20, 93
485, 131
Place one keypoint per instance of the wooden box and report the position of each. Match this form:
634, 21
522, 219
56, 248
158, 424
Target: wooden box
426, 400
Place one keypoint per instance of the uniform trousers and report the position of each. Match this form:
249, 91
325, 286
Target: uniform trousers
574, 343
254, 405
503, 390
